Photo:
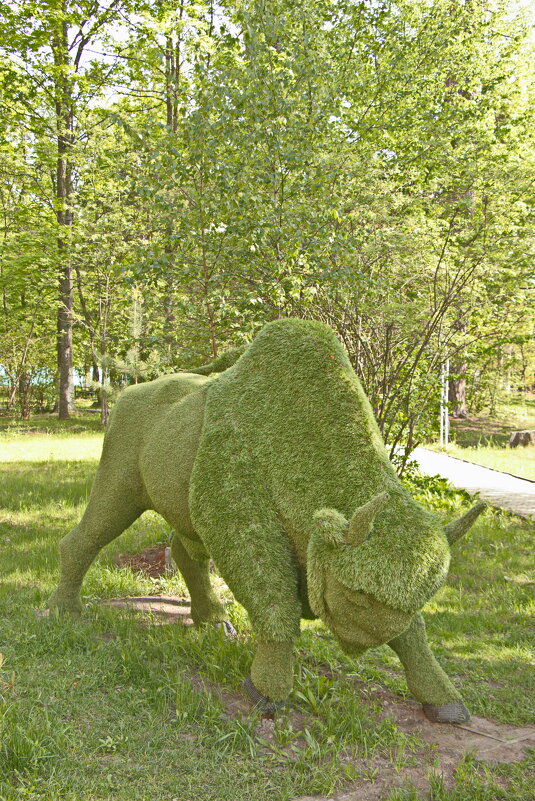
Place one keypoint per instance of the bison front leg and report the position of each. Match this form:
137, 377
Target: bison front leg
232, 512
271, 677
426, 680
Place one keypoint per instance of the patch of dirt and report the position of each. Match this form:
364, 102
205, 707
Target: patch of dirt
489, 741
385, 779
153, 562
238, 706
379, 775
107, 636
168, 608
235, 706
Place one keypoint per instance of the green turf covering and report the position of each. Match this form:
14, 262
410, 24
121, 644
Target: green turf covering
276, 469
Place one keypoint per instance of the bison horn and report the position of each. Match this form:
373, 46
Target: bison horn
362, 520
459, 527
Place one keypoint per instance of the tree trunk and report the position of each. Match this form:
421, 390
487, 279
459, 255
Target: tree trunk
104, 406
24, 395
65, 139
457, 392
522, 438
65, 308
172, 88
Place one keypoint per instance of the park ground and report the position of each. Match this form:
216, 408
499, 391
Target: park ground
484, 439
116, 706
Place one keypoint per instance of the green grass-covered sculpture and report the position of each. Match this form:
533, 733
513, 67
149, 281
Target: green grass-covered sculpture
276, 470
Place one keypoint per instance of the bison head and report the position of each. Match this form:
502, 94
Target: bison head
366, 585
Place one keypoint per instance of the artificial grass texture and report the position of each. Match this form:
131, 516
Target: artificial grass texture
239, 465
288, 431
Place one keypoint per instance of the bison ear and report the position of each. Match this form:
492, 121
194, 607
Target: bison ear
457, 528
327, 536
362, 520
331, 526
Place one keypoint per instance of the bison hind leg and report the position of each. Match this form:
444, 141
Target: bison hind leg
77, 550
116, 501
205, 605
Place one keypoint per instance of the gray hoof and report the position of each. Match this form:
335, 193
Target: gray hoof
228, 629
261, 702
454, 712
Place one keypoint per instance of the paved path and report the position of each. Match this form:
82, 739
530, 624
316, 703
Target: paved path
499, 489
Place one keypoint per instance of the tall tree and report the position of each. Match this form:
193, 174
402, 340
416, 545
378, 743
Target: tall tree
52, 80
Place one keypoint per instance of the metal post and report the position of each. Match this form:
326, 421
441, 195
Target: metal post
446, 402
444, 416
442, 405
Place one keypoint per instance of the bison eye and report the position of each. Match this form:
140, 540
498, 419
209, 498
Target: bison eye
356, 598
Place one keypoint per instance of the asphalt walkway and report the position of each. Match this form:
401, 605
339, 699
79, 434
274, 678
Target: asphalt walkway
499, 489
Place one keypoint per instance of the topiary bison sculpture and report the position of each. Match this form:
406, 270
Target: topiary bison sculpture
275, 469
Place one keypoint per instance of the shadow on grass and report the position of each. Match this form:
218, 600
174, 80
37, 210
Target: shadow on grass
484, 431
39, 504
28, 485
474, 432
48, 423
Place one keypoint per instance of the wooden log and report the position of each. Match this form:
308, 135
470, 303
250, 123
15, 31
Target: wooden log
521, 438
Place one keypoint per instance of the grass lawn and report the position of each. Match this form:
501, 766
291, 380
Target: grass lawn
518, 461
485, 440
111, 707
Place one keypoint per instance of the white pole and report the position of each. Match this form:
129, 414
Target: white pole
442, 404
446, 401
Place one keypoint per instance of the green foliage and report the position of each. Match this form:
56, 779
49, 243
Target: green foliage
369, 165
30, 742
434, 491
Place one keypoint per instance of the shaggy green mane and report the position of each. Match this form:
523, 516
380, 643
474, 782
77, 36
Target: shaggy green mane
291, 419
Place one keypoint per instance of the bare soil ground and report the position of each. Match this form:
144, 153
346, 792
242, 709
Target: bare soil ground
151, 561
446, 744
